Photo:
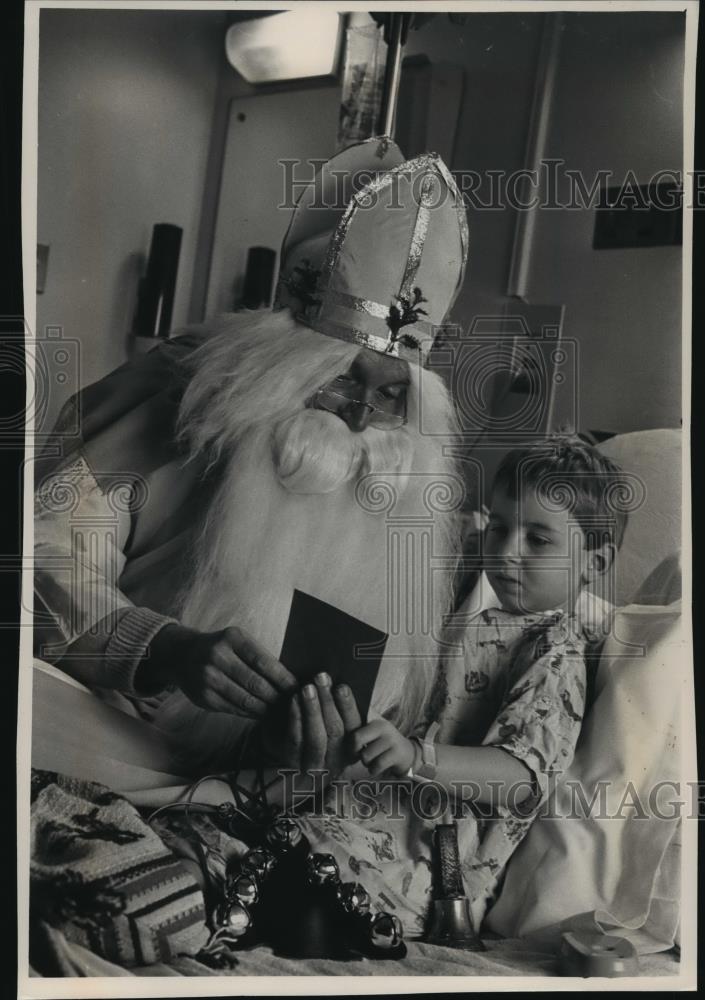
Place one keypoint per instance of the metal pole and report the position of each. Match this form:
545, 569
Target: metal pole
544, 90
392, 74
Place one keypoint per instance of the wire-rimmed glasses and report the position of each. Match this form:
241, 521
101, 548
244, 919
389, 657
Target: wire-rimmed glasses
334, 401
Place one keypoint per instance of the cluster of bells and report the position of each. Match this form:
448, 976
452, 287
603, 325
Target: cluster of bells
310, 882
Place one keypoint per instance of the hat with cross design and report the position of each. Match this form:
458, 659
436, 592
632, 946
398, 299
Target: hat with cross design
376, 249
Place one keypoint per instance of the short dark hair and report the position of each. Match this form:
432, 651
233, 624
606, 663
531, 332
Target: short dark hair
570, 474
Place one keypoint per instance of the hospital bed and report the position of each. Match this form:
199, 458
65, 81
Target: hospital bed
622, 877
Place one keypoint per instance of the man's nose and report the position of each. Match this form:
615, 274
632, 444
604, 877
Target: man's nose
356, 416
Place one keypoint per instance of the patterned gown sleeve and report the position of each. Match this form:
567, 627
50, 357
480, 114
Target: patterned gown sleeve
540, 718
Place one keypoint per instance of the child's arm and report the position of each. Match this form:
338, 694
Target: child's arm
492, 770
532, 738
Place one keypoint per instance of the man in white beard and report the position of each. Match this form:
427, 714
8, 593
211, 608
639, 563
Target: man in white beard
305, 452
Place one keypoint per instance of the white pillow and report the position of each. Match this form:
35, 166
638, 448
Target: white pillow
653, 533
663, 585
613, 872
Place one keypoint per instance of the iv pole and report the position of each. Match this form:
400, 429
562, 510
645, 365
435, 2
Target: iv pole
396, 28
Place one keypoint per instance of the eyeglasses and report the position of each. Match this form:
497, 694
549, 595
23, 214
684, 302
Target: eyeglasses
329, 399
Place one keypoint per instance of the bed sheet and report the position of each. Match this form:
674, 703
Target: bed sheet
503, 958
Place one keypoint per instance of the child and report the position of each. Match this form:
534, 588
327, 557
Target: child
509, 707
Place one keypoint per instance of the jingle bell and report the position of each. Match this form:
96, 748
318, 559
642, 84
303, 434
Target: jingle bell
284, 834
354, 898
258, 862
227, 814
243, 888
386, 931
235, 919
225, 811
322, 869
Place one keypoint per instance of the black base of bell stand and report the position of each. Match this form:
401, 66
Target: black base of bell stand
316, 933
450, 925
298, 906
298, 920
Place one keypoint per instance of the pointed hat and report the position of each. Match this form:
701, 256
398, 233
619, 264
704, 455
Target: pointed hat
376, 250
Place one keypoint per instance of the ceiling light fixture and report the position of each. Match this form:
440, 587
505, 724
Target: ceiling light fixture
293, 45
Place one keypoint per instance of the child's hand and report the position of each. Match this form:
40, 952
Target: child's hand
381, 747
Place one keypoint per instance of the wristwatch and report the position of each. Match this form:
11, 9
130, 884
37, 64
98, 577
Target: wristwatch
426, 769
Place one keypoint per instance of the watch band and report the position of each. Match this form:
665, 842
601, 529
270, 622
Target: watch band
426, 770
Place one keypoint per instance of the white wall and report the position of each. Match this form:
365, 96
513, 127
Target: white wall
131, 103
263, 130
498, 53
125, 109
617, 107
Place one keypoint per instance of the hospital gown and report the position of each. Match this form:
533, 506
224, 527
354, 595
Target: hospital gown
508, 681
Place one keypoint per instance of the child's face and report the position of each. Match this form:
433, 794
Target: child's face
536, 558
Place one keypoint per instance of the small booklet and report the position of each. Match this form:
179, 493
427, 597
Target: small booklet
320, 638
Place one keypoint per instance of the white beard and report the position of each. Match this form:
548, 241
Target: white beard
304, 504
263, 541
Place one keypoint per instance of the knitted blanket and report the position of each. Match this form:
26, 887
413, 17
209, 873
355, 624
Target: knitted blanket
103, 878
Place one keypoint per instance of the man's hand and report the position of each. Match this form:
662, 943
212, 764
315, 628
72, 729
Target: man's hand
320, 721
381, 747
224, 671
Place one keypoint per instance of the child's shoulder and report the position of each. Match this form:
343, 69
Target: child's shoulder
548, 631
539, 632
555, 644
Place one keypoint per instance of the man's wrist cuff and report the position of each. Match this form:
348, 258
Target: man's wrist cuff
128, 647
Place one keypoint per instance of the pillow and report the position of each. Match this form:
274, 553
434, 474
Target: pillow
663, 585
615, 867
654, 459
